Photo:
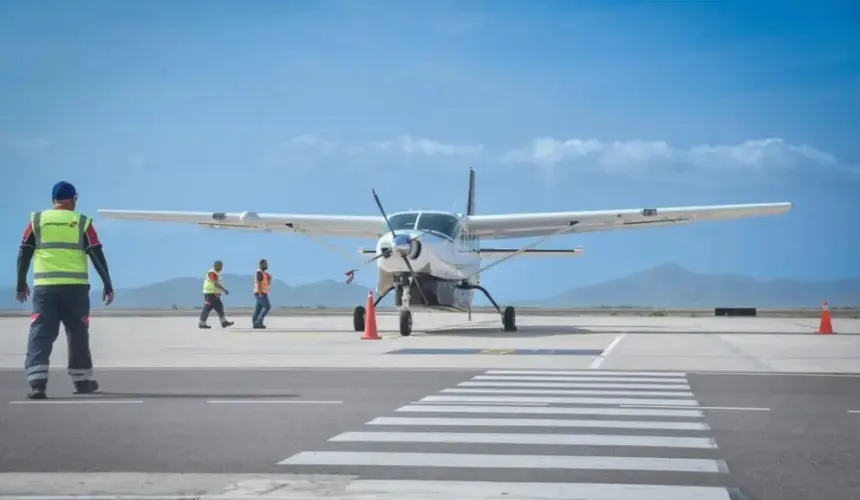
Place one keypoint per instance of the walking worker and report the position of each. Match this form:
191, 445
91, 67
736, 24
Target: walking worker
262, 284
212, 288
60, 240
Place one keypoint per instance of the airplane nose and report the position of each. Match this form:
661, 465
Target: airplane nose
402, 244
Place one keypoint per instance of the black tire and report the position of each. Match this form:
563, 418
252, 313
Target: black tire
358, 318
509, 319
406, 323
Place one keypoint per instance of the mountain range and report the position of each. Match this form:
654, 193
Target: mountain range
668, 285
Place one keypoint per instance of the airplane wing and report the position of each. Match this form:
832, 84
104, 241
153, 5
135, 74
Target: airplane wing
323, 225
525, 225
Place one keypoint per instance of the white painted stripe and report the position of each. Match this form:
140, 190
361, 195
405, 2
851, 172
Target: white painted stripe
540, 422
486, 403
77, 402
572, 392
599, 361
488, 490
586, 372
399, 489
551, 399
489, 461
554, 410
537, 439
853, 411
737, 408
578, 385
272, 401
551, 378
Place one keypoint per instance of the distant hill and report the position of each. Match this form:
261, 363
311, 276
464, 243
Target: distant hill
668, 285
671, 285
187, 292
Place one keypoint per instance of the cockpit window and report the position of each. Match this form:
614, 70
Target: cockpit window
402, 221
441, 223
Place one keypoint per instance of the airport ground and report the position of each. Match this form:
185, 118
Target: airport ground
568, 407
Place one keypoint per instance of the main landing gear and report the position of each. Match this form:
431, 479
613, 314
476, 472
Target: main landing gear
509, 316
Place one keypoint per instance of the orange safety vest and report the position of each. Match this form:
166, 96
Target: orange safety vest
263, 286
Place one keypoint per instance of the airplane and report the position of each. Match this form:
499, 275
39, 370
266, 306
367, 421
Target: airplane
433, 259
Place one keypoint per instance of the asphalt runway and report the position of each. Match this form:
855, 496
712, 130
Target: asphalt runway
397, 434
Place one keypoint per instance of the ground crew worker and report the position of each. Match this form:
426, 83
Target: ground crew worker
262, 284
212, 288
60, 239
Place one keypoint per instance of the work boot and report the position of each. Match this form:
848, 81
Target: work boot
37, 393
86, 387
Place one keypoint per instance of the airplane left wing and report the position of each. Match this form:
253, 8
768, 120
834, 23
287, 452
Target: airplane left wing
357, 226
526, 225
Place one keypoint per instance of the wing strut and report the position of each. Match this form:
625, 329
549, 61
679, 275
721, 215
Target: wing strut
523, 249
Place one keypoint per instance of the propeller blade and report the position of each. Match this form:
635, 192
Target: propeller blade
384, 216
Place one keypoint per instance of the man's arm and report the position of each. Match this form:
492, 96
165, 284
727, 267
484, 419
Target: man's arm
97, 256
25, 256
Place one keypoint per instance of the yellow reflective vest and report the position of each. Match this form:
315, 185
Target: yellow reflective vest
60, 257
208, 285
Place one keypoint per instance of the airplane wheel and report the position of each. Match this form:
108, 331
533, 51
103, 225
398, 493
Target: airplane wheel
358, 318
509, 319
406, 323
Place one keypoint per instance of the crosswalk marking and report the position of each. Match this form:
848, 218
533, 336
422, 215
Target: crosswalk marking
577, 385
542, 439
540, 422
587, 373
655, 413
550, 399
572, 392
561, 378
556, 410
404, 489
484, 461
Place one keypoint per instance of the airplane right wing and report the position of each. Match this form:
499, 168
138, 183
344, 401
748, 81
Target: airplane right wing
357, 226
526, 225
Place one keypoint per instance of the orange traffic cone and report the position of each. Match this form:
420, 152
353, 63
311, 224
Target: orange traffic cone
825, 326
370, 332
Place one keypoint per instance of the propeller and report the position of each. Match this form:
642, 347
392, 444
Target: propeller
399, 243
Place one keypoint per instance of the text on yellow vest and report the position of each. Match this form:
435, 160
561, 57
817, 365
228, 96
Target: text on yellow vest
60, 257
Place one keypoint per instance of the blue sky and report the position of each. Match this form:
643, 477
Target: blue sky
305, 106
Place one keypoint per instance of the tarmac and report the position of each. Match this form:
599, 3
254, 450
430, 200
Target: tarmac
568, 407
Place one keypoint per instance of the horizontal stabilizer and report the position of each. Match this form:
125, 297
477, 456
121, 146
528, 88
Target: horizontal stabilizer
504, 252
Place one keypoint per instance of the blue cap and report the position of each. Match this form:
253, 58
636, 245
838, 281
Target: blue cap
63, 191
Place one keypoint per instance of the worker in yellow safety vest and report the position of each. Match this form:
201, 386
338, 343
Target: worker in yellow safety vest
59, 240
262, 284
212, 288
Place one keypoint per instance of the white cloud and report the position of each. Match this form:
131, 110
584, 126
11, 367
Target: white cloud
408, 145
624, 155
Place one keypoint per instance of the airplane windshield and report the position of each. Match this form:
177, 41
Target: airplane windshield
440, 223
402, 221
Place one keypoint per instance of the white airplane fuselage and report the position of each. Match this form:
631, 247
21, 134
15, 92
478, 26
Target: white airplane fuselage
439, 250
437, 256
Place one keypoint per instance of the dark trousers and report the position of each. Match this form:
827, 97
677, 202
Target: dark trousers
262, 308
52, 305
212, 301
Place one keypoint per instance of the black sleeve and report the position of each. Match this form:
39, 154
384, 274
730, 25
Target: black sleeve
97, 255
25, 255
259, 276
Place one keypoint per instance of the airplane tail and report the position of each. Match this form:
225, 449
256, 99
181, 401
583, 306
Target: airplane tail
470, 203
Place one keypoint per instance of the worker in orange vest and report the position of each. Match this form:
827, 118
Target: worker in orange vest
262, 284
